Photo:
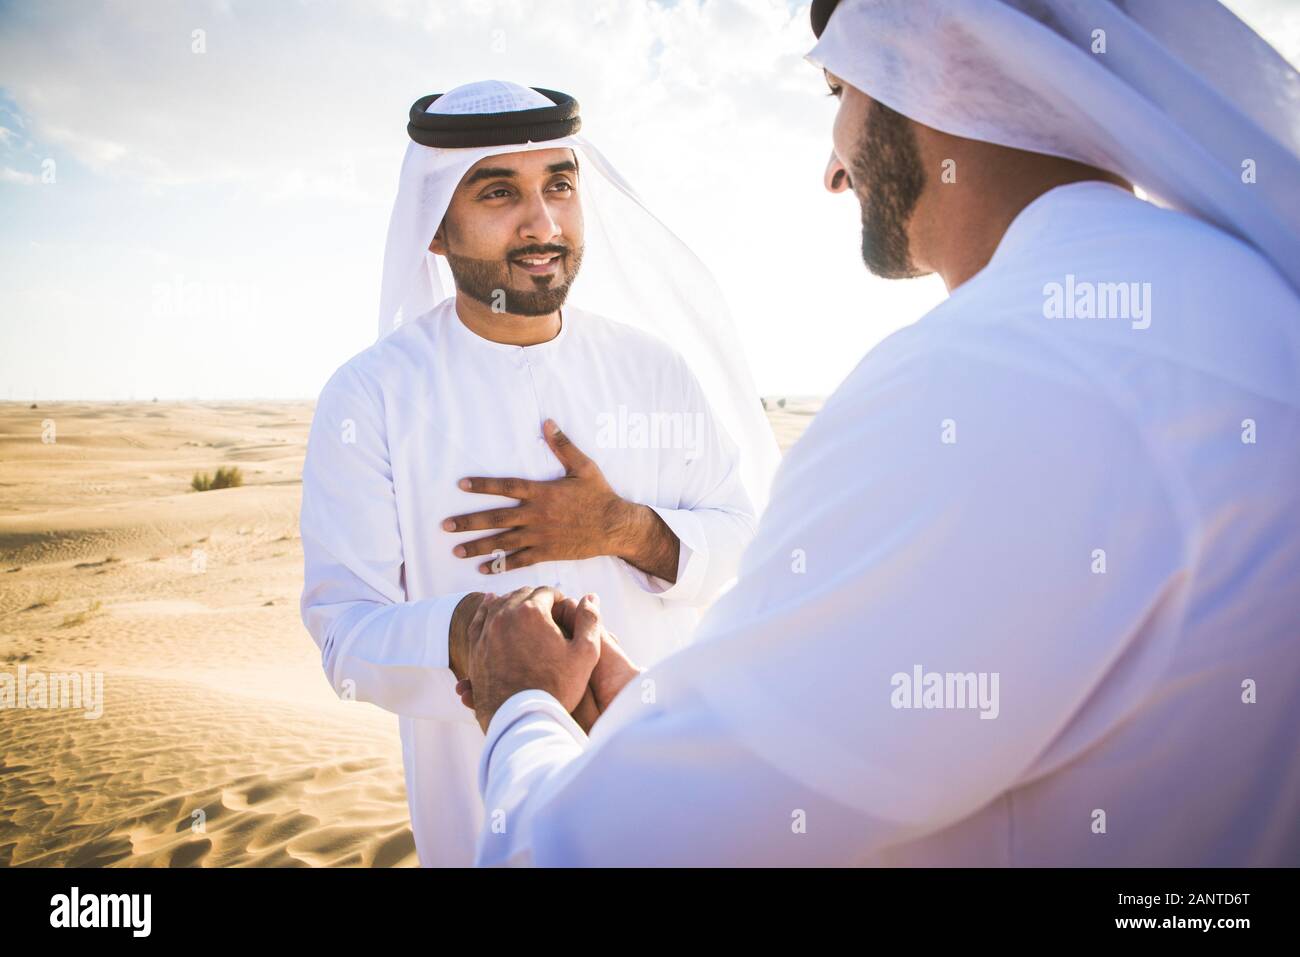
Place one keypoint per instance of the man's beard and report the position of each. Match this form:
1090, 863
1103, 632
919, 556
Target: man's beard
487, 280
887, 179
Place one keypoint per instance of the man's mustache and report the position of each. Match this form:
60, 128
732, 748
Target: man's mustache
538, 250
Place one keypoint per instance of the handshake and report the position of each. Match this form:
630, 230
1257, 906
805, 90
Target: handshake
535, 638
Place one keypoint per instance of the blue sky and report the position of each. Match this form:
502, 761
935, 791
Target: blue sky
211, 224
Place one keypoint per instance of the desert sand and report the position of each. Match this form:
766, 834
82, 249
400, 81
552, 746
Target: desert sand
220, 742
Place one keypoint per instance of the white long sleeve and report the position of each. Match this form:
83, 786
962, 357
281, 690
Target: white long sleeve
554, 799
715, 520
375, 645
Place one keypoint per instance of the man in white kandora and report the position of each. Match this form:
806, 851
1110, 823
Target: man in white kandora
1025, 592
436, 456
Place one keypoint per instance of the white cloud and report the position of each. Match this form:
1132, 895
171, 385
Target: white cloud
270, 160
10, 175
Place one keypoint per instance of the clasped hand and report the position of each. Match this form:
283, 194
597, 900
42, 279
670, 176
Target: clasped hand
535, 637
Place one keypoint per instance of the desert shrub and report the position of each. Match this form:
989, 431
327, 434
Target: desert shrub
80, 617
224, 478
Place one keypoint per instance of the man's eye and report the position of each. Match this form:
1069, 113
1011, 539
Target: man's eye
566, 186
496, 193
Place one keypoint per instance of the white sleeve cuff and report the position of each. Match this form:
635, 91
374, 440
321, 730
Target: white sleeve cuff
692, 557
440, 614
517, 706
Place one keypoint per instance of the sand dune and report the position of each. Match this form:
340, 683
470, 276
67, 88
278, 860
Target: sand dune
220, 742
172, 774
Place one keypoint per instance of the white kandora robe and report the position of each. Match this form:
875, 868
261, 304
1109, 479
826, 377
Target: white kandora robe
399, 424
1103, 512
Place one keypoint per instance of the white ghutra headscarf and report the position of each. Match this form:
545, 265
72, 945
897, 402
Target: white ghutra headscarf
1179, 97
634, 269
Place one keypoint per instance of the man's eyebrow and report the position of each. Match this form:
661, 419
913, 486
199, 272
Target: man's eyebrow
490, 172
503, 172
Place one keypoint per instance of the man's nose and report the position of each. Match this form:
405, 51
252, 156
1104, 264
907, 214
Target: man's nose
539, 226
837, 177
